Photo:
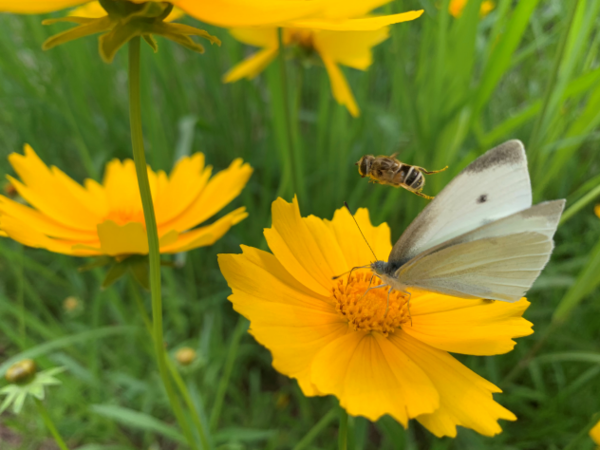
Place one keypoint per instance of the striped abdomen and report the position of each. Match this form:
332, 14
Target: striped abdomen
409, 176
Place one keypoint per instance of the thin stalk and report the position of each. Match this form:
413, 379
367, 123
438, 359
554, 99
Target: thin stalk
343, 431
229, 363
176, 376
587, 198
297, 180
316, 430
139, 157
50, 425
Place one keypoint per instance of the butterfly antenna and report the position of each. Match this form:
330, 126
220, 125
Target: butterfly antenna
358, 226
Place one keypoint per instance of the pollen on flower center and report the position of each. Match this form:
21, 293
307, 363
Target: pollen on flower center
368, 312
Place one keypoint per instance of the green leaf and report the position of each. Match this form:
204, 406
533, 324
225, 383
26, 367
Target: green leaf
242, 435
139, 268
136, 419
117, 270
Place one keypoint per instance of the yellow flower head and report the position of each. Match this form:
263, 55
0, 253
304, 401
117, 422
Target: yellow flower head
597, 210
456, 7
324, 333
107, 219
595, 434
342, 34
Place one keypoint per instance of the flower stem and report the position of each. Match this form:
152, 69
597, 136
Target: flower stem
343, 431
139, 157
297, 180
50, 425
316, 430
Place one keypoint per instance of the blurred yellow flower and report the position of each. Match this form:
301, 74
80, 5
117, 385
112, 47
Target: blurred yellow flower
219, 12
597, 210
333, 341
595, 434
456, 7
343, 34
107, 219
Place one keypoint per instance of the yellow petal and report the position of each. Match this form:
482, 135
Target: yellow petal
465, 398
597, 210
595, 433
47, 191
36, 6
473, 327
120, 185
218, 193
371, 377
204, 236
26, 235
292, 242
362, 24
41, 223
186, 181
127, 239
339, 86
244, 13
93, 10
251, 66
284, 315
345, 9
355, 249
257, 37
350, 48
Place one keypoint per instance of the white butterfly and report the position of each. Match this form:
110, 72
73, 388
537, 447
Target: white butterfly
480, 237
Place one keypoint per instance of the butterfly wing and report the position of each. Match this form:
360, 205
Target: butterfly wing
493, 186
498, 261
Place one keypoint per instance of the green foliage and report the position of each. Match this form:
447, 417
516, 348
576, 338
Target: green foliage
440, 92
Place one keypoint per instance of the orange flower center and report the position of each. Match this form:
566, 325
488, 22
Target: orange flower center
122, 217
368, 312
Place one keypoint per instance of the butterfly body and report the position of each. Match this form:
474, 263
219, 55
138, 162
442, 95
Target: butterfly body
480, 237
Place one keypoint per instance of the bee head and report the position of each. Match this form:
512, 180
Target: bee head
364, 165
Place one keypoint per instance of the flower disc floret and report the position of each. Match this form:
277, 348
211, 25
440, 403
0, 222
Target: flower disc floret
368, 309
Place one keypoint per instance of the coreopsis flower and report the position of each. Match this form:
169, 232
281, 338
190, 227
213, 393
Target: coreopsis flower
123, 20
595, 434
94, 10
96, 219
343, 34
335, 340
456, 7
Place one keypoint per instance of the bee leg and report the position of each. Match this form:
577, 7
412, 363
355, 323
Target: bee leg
430, 172
420, 194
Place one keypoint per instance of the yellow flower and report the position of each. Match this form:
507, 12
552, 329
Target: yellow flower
597, 210
107, 219
342, 34
333, 341
219, 12
456, 7
595, 433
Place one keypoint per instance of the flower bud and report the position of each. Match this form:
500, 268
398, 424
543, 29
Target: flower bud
21, 371
185, 356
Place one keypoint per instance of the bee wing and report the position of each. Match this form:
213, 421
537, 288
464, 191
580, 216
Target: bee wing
493, 186
498, 261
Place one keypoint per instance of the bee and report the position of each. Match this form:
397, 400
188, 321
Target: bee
388, 170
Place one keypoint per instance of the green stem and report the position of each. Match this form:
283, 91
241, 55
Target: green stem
50, 425
139, 157
229, 363
343, 431
587, 198
316, 430
176, 376
583, 434
297, 180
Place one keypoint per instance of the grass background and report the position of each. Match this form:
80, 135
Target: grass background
440, 92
